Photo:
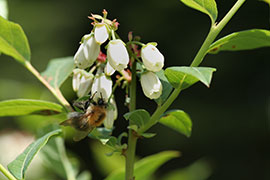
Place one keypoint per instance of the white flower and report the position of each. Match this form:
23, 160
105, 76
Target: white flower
109, 69
101, 88
151, 85
82, 82
87, 52
111, 114
101, 33
153, 60
117, 55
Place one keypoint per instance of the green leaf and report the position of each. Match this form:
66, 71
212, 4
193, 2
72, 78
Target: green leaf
167, 88
138, 117
186, 76
13, 41
19, 166
58, 71
145, 167
243, 40
4, 8
199, 170
177, 120
105, 163
20, 107
102, 134
55, 157
208, 7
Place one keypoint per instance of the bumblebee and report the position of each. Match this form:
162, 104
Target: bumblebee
93, 115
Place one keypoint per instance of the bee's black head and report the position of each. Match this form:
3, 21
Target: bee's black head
101, 102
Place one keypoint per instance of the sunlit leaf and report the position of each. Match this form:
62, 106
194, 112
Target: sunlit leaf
13, 41
138, 117
20, 107
4, 8
166, 87
243, 40
208, 7
145, 167
58, 71
19, 166
186, 76
177, 120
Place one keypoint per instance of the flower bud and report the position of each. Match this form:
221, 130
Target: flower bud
109, 69
82, 82
153, 60
117, 55
101, 88
87, 52
101, 33
111, 114
151, 85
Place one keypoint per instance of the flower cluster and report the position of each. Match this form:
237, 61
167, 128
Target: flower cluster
94, 69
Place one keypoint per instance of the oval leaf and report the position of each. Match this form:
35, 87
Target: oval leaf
179, 121
13, 41
243, 40
4, 9
138, 117
186, 76
19, 166
208, 7
58, 71
145, 167
20, 107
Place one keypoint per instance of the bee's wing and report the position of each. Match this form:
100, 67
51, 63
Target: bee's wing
71, 116
66, 122
81, 135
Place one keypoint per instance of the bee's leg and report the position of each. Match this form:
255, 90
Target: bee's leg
80, 105
92, 97
86, 105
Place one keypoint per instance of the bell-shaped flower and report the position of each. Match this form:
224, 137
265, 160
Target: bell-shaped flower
108, 70
101, 88
111, 114
101, 33
151, 85
153, 60
87, 52
82, 82
117, 55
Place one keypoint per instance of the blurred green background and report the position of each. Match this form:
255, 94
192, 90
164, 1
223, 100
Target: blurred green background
230, 119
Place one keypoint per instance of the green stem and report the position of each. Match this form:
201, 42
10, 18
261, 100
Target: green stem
56, 92
160, 110
65, 161
214, 31
6, 173
132, 139
135, 42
